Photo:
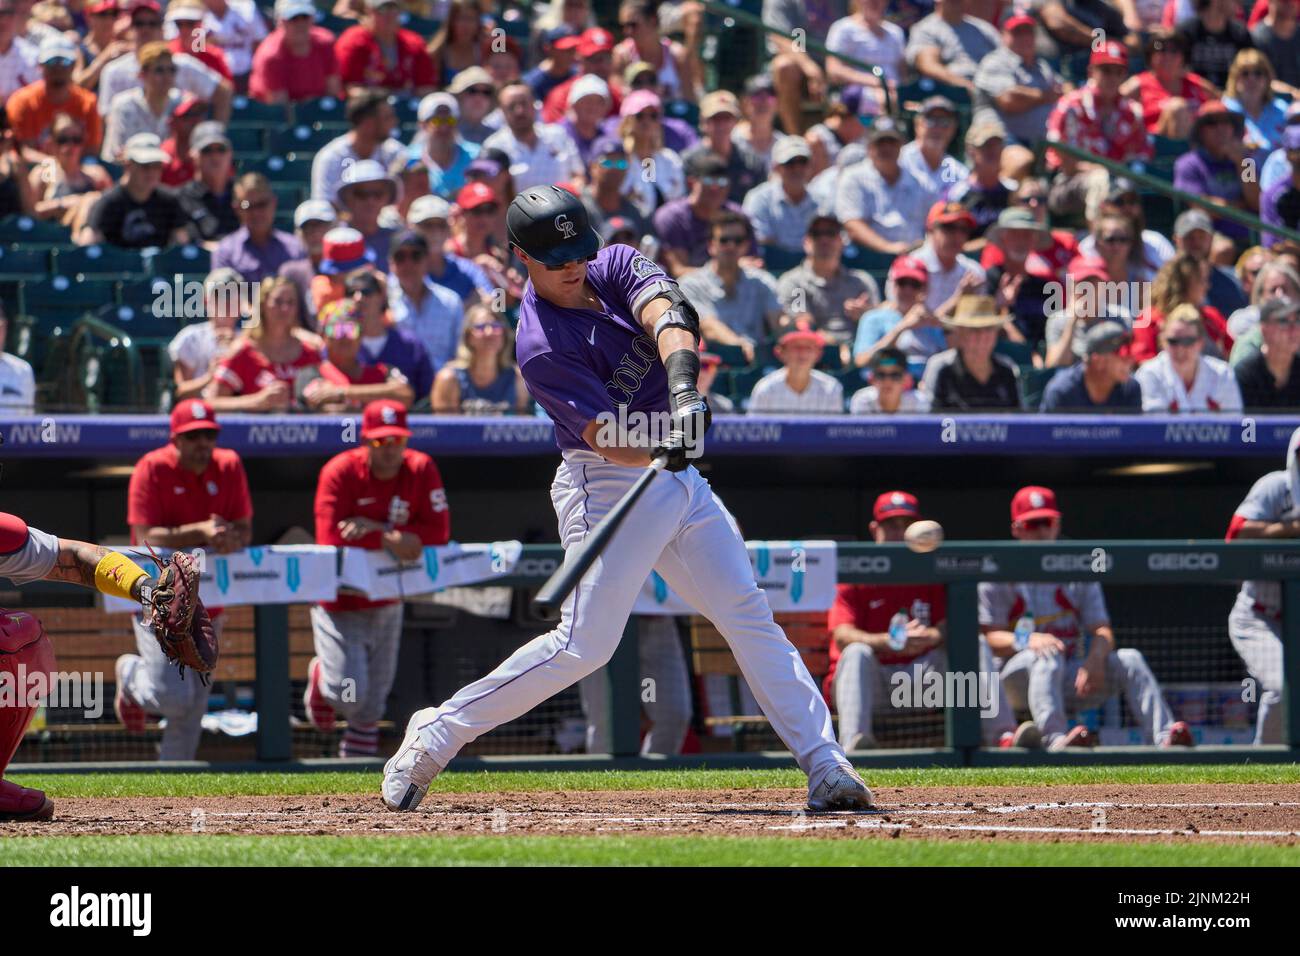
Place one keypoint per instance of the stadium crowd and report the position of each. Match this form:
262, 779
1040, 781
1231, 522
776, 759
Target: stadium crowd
857, 240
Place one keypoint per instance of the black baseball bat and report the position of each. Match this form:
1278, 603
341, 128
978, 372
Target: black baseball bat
567, 576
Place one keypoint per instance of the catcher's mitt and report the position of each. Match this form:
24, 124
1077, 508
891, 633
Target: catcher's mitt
179, 620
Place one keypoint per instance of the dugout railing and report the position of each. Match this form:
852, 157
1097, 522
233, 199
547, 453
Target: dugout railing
959, 567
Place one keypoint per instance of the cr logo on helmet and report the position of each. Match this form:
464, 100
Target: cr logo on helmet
565, 227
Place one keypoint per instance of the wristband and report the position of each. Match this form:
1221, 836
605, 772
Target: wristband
116, 574
683, 368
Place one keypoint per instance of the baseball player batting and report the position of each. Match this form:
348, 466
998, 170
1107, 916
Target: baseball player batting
602, 330
1255, 622
27, 555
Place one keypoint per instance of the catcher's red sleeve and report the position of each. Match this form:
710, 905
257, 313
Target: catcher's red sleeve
13, 533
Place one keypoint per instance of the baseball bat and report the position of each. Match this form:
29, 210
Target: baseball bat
567, 576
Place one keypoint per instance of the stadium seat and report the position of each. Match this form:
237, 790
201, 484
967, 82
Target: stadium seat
868, 260
732, 356
426, 27
926, 87
327, 109
252, 113
852, 378
101, 262
777, 260
182, 259
684, 110
140, 324
1019, 352
1165, 147
18, 263
300, 137
1033, 382
141, 294
830, 360
33, 233
743, 382
406, 108
247, 141
291, 168
64, 296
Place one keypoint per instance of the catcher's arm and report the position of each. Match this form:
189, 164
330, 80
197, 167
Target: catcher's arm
93, 566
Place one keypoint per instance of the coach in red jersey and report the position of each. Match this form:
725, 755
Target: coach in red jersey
862, 656
188, 494
382, 495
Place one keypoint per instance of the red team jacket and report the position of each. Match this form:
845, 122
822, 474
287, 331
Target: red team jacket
413, 501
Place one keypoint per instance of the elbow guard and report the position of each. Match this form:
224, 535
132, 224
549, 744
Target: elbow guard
680, 315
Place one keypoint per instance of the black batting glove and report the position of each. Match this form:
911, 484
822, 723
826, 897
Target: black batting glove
691, 418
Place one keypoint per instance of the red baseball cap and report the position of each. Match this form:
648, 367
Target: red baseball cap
802, 335
102, 6
384, 418
153, 5
1034, 501
909, 267
189, 103
1111, 52
595, 40
473, 195
1017, 18
942, 213
894, 504
193, 415
1088, 267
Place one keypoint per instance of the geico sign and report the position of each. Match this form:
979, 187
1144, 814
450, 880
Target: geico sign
1179, 561
865, 564
1085, 561
536, 567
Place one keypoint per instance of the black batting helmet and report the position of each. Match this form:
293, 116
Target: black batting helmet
550, 225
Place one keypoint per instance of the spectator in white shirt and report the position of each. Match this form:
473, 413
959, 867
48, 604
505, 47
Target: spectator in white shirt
881, 204
372, 120
892, 389
868, 37
192, 75
1182, 379
798, 387
926, 157
540, 154
948, 226
17, 57
147, 108
237, 26
782, 208
17, 383
197, 348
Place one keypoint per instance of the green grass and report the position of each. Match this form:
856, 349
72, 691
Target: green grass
489, 850
288, 784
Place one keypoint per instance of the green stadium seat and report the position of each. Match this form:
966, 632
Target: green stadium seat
100, 262
777, 260
830, 360
683, 110
926, 87
142, 325
64, 296
1019, 352
248, 112
33, 232
406, 108
427, 28
732, 356
868, 260
852, 379
290, 168
335, 25
743, 382
300, 137
19, 262
247, 140
327, 109
182, 259
1166, 147
1033, 382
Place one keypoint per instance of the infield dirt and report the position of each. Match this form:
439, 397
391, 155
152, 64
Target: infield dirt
1234, 813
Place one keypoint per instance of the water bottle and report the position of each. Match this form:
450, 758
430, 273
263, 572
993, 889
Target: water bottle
898, 631
1024, 627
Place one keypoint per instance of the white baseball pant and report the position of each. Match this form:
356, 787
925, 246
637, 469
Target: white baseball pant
156, 685
680, 529
358, 662
859, 675
1258, 642
659, 654
1046, 684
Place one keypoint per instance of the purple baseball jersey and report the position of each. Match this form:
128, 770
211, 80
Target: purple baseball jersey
579, 363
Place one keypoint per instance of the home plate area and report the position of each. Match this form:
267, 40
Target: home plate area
1166, 813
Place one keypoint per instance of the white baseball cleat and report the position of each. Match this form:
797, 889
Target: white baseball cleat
409, 772
840, 789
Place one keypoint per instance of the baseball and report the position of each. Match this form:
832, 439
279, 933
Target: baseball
923, 536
